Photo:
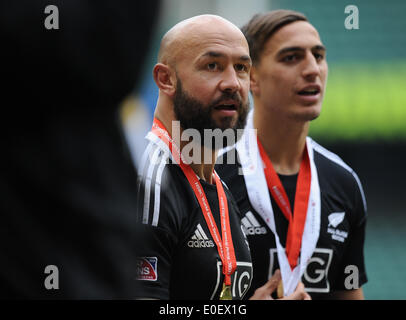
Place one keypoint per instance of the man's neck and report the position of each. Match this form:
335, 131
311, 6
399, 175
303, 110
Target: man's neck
284, 141
205, 167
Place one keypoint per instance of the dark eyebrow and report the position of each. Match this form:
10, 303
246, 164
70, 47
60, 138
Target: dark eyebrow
319, 48
245, 59
216, 54
213, 54
300, 49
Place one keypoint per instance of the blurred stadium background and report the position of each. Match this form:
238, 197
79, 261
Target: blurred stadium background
363, 117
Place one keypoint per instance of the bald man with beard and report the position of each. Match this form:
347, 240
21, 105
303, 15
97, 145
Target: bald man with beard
194, 244
195, 247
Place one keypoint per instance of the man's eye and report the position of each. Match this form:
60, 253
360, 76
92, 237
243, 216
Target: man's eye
289, 58
241, 67
212, 66
319, 56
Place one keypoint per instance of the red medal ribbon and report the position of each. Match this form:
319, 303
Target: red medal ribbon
297, 222
224, 245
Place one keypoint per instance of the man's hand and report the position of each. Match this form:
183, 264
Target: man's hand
264, 292
298, 294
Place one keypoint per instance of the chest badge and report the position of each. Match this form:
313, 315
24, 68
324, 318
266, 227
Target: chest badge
334, 220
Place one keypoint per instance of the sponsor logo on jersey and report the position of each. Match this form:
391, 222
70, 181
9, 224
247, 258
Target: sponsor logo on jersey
315, 277
147, 268
240, 280
200, 239
334, 220
251, 226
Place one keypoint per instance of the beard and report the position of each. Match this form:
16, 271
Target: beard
193, 114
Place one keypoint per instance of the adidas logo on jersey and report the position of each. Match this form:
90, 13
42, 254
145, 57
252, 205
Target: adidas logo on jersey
200, 239
251, 225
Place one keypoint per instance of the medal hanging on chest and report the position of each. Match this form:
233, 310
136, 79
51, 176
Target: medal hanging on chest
226, 293
224, 242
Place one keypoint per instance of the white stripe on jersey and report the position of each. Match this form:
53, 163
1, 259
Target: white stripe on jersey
153, 159
160, 143
148, 182
335, 158
144, 158
158, 180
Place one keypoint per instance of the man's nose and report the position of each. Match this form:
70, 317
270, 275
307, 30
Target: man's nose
230, 80
311, 67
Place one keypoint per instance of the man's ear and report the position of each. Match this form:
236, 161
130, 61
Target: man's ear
164, 78
254, 82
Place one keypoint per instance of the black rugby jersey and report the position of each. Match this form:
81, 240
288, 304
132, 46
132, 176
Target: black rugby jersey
342, 226
179, 258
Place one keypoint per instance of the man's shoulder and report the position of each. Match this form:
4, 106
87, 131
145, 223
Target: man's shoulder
333, 170
162, 186
156, 164
327, 160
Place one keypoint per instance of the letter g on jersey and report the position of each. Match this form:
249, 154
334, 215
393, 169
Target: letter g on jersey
315, 276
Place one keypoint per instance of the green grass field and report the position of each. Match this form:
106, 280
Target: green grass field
363, 102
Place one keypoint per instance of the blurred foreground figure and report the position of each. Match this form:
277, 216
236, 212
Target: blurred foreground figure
67, 183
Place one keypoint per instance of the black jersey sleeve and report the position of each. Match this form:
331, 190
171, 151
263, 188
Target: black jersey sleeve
353, 273
154, 263
344, 190
159, 215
